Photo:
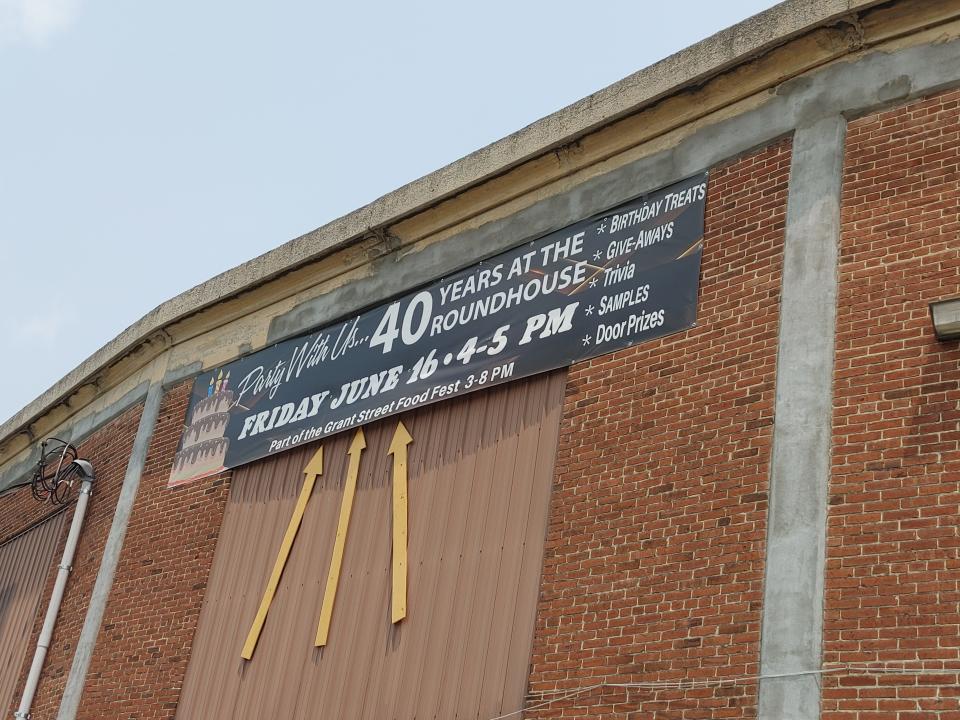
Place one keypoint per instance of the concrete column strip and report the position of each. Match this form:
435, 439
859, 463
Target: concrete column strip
792, 623
111, 556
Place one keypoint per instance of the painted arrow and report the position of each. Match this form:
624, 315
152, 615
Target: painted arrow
313, 469
346, 505
398, 448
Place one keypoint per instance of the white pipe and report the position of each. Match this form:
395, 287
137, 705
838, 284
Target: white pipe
63, 572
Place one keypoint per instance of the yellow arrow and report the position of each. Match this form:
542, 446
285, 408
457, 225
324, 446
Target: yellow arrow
398, 448
346, 505
311, 471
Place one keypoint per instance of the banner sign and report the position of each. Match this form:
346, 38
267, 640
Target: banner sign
594, 287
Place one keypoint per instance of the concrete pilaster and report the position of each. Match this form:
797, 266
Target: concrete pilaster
792, 624
73, 690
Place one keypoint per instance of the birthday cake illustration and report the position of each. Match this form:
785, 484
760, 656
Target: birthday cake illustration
203, 446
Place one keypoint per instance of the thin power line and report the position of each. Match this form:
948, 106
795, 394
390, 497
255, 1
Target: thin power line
879, 667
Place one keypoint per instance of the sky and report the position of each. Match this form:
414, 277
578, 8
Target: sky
146, 147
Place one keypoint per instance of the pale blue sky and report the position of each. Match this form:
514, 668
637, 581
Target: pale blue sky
145, 147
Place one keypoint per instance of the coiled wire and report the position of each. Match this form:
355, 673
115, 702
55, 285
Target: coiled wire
53, 478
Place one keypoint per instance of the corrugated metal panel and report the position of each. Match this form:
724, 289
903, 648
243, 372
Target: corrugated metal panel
24, 562
480, 473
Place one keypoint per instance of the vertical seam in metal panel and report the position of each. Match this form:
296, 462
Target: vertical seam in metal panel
429, 455
543, 405
481, 419
26, 559
554, 409
532, 400
372, 669
35, 524
485, 515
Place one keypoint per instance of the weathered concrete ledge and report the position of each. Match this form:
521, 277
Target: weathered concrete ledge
684, 69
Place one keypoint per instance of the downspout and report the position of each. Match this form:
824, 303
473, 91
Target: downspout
63, 572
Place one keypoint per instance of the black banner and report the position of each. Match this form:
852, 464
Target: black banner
597, 286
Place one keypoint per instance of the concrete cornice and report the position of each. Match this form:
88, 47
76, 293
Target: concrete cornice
689, 67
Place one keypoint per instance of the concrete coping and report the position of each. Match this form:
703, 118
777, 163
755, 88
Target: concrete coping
690, 66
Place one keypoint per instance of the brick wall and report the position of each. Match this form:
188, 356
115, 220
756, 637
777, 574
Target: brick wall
893, 548
654, 560
147, 633
108, 449
653, 570
19, 511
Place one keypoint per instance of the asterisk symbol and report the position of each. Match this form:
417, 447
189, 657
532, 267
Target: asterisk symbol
589, 310
586, 340
602, 227
597, 255
593, 283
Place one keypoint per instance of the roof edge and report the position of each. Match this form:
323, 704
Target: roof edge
692, 65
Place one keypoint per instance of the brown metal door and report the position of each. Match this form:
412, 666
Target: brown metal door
480, 472
24, 562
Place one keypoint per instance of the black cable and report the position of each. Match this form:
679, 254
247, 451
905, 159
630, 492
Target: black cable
53, 477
